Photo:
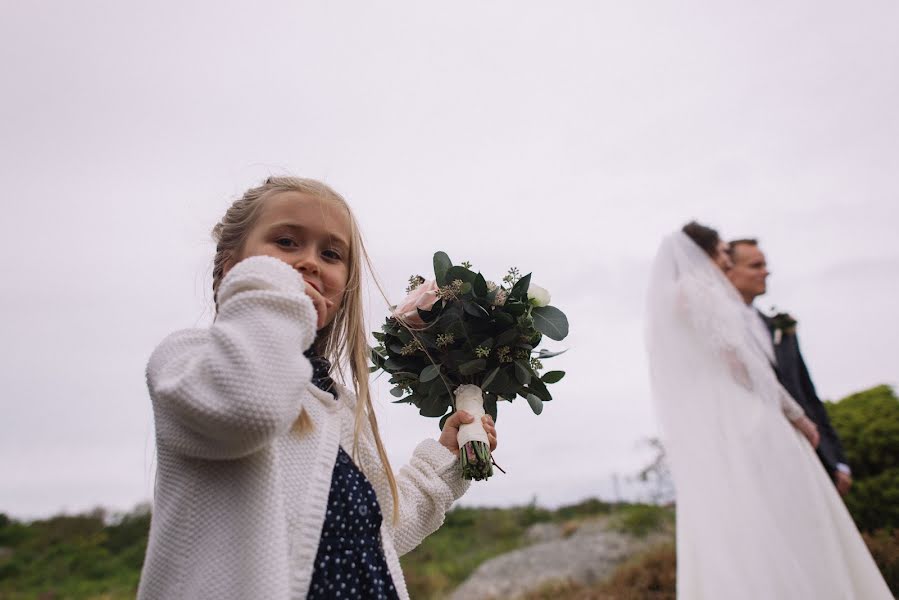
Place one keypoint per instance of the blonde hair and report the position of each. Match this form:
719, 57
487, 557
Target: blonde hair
344, 341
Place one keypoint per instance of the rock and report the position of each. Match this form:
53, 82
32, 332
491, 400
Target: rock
588, 556
543, 532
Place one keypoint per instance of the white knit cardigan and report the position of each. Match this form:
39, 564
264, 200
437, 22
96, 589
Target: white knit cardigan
240, 497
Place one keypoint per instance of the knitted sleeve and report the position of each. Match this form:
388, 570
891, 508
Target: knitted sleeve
428, 486
226, 391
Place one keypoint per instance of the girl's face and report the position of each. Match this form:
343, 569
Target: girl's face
309, 234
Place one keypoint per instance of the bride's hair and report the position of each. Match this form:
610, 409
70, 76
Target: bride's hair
704, 237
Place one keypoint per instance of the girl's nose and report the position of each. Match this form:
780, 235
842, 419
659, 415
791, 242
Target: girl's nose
307, 263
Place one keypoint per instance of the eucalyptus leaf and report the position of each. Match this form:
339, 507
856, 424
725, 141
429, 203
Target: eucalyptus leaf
432, 408
504, 382
430, 372
516, 308
522, 372
452, 312
406, 375
489, 379
507, 337
490, 405
428, 315
544, 354
392, 365
552, 376
398, 392
535, 403
473, 366
503, 319
486, 342
519, 291
538, 388
475, 309
480, 286
551, 322
442, 264
460, 273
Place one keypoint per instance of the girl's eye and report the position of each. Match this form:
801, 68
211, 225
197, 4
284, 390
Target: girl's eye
332, 255
285, 242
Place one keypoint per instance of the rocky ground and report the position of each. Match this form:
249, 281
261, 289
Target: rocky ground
583, 553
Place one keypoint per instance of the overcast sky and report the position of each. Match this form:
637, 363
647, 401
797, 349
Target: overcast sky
564, 138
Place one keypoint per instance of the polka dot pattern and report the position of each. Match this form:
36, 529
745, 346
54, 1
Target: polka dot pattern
350, 562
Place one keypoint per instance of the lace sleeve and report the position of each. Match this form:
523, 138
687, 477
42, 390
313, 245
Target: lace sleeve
790, 407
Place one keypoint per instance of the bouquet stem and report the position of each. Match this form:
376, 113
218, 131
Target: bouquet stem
474, 447
476, 462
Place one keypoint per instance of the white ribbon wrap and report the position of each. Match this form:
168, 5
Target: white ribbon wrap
470, 399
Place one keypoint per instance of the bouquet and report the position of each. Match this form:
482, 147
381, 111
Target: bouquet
461, 342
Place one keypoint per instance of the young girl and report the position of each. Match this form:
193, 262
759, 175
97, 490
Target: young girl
272, 480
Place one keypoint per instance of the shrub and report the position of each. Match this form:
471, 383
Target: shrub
868, 426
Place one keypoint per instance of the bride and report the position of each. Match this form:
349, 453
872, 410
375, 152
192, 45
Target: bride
757, 516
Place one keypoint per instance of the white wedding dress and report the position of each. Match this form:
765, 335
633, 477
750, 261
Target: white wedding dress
757, 515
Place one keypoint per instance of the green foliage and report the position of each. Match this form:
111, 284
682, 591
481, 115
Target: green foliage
868, 426
79, 556
476, 332
642, 519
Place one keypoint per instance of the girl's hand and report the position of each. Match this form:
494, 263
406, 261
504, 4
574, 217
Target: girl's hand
808, 429
449, 437
321, 305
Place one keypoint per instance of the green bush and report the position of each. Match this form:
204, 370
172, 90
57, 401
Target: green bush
75, 557
868, 425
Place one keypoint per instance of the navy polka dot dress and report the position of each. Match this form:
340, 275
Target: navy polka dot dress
350, 562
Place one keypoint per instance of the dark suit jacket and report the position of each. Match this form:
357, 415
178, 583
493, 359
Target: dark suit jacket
793, 375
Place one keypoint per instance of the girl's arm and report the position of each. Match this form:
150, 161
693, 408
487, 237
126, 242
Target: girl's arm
428, 486
226, 391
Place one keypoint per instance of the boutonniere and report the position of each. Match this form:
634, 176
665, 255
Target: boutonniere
782, 324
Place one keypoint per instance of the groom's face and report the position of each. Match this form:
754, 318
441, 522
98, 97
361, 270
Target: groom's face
750, 271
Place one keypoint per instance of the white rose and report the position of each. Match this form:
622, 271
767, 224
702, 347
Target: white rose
537, 295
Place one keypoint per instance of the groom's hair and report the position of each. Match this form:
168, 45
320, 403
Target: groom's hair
732, 245
704, 237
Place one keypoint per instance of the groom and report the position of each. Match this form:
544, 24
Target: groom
749, 274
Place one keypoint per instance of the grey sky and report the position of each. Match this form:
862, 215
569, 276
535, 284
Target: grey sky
566, 139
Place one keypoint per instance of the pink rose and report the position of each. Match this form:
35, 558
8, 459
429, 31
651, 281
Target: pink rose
423, 297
